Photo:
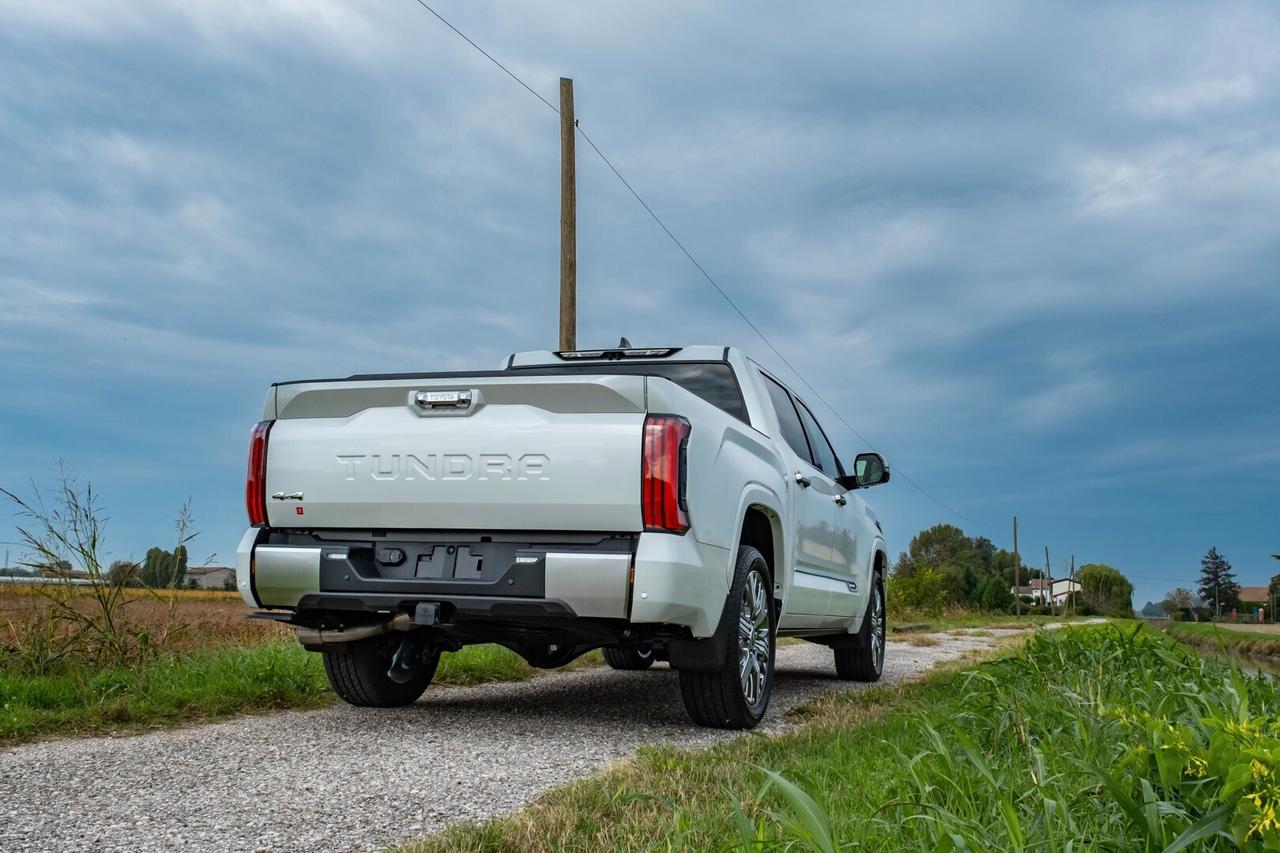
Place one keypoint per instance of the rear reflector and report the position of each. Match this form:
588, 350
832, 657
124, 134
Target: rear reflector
255, 484
662, 474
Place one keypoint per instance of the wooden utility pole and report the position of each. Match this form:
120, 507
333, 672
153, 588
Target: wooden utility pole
1048, 573
1017, 596
568, 222
1071, 596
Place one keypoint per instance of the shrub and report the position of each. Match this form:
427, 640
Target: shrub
924, 591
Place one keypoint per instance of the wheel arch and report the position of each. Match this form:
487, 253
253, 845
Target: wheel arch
760, 526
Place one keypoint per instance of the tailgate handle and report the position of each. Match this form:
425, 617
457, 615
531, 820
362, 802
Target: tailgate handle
431, 400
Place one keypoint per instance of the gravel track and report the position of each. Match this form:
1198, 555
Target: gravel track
345, 778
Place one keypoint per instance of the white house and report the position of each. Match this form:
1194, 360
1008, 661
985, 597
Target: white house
1049, 592
210, 577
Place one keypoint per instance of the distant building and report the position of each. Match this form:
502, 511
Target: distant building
1047, 591
210, 577
1254, 598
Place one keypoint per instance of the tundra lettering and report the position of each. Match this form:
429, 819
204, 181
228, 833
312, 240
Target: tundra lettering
445, 466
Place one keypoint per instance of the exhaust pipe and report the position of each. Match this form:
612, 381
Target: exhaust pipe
320, 637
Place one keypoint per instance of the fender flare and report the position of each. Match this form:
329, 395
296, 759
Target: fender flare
756, 494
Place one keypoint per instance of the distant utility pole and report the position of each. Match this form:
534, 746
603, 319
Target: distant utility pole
568, 222
1048, 573
1017, 597
1071, 595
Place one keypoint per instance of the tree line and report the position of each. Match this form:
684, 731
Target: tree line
943, 566
1217, 593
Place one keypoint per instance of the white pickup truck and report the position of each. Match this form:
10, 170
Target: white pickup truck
676, 504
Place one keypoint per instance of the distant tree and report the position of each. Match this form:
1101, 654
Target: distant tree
985, 549
903, 566
124, 573
229, 583
946, 549
996, 595
1218, 585
1105, 590
1152, 610
179, 570
162, 569
55, 568
1178, 602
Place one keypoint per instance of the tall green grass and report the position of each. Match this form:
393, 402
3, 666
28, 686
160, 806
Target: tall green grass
1089, 738
202, 685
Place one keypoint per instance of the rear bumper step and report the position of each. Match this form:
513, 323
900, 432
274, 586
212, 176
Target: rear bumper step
582, 582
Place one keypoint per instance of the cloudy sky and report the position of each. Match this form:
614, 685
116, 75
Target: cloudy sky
1029, 251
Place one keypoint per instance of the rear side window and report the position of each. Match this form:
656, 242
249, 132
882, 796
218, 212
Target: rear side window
792, 431
825, 456
713, 382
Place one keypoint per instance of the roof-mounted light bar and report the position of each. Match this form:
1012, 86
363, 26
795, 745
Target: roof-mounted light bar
631, 352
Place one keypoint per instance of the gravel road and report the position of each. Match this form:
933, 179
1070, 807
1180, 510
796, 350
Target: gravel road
350, 779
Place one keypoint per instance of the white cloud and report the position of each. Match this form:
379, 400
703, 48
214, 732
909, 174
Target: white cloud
1182, 100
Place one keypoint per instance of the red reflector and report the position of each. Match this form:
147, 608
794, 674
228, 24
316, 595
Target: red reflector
662, 474
255, 486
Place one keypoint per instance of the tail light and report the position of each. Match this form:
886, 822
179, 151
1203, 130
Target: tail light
255, 484
662, 474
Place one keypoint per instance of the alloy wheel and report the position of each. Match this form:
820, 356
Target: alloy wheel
753, 638
877, 628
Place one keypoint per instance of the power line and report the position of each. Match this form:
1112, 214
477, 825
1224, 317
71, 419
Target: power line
710, 280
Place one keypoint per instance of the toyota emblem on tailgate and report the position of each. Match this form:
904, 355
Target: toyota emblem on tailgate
443, 399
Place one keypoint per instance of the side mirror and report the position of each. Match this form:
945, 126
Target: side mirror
868, 470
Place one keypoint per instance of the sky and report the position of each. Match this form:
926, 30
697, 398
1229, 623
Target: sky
1029, 251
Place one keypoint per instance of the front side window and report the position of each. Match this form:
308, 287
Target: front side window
825, 457
788, 420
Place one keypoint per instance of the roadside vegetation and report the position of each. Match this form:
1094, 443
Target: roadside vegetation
1234, 639
109, 654
1099, 738
945, 570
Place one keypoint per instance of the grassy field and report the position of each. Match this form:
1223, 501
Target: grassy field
201, 619
205, 685
1094, 738
910, 622
214, 662
1240, 640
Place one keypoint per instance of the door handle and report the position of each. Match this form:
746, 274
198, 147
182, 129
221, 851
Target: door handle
802, 480
840, 500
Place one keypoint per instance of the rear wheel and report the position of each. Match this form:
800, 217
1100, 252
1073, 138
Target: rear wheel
632, 659
736, 695
362, 672
864, 661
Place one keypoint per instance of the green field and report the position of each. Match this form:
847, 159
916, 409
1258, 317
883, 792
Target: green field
203, 685
1092, 738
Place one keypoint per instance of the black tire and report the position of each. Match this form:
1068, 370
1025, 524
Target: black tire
864, 660
357, 672
629, 659
721, 698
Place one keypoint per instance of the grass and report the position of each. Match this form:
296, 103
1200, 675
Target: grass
1214, 637
1097, 738
916, 622
201, 619
204, 684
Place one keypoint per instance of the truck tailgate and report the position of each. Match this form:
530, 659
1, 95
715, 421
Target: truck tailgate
527, 453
